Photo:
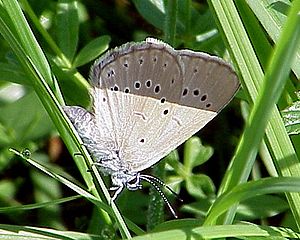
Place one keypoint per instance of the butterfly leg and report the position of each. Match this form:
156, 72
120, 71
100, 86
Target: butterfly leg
117, 192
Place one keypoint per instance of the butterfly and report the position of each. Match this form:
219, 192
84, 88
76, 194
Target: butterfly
148, 98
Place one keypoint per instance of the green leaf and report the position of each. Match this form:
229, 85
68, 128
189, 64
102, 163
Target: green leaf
13, 73
200, 186
67, 27
26, 119
199, 208
92, 50
153, 11
195, 153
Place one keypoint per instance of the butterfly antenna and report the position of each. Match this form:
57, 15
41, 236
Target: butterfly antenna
160, 182
163, 196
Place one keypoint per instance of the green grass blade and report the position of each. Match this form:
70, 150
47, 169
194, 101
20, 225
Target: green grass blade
34, 61
38, 205
38, 233
251, 189
27, 40
187, 229
69, 183
252, 74
272, 16
60, 60
75, 187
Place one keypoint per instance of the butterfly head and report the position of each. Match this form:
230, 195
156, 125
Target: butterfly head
132, 181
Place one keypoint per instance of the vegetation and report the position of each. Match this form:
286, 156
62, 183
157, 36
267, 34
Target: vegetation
243, 182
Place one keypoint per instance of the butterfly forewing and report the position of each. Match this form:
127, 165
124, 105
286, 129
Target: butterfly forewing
209, 82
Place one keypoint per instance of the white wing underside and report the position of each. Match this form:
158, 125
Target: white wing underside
142, 132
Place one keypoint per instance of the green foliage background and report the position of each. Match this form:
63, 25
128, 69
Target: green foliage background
47, 48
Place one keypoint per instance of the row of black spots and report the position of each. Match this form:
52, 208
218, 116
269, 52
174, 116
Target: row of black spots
154, 59
141, 62
148, 84
196, 93
115, 88
137, 86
